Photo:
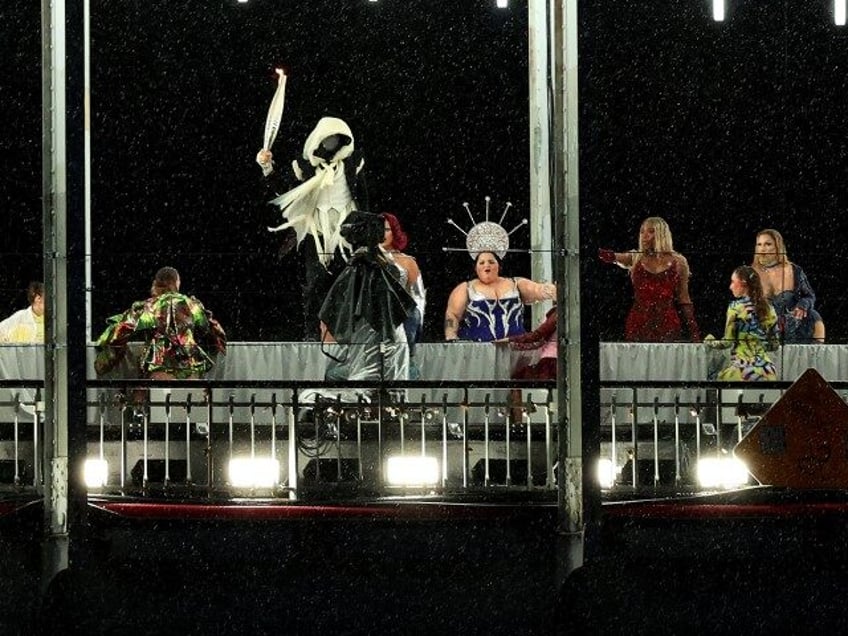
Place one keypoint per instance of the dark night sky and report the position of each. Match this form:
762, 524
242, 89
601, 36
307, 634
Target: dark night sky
720, 128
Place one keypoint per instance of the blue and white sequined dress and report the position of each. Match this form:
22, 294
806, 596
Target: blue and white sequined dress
486, 319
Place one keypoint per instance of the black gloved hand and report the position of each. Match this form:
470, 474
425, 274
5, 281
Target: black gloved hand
289, 243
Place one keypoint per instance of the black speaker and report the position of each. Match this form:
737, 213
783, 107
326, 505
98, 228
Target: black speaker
497, 472
330, 471
7, 471
156, 471
645, 472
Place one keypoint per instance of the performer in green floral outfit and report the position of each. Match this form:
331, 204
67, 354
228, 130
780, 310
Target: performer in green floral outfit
749, 330
181, 337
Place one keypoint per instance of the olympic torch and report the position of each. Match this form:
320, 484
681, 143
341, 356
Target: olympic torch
275, 114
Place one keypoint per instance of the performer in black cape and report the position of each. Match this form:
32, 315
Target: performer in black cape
365, 309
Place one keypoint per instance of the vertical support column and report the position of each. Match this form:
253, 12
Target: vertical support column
64, 168
541, 244
578, 493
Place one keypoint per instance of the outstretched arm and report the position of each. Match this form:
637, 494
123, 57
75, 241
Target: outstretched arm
622, 259
533, 292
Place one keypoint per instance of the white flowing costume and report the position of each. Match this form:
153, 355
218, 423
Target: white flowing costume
319, 205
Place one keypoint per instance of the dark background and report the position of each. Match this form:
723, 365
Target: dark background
722, 129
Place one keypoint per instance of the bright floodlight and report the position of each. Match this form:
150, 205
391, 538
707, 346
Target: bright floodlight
258, 472
412, 471
95, 473
839, 12
718, 10
606, 473
503, 4
724, 472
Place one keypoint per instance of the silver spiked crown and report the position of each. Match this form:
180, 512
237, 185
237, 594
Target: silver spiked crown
486, 236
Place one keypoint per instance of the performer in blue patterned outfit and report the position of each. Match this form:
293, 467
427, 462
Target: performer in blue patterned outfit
749, 330
491, 307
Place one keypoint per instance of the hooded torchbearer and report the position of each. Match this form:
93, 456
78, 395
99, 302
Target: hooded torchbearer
331, 187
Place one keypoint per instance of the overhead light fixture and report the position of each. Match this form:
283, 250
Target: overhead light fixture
502, 4
95, 473
718, 10
839, 12
255, 472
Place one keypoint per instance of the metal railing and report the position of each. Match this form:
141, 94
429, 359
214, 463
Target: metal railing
655, 434
316, 439
20, 435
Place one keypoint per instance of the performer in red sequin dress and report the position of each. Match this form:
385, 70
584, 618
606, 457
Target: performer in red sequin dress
660, 279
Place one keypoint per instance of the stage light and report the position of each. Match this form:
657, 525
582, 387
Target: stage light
839, 12
606, 473
723, 472
257, 472
95, 473
412, 471
718, 10
503, 4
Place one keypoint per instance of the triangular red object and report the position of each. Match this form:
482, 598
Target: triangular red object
802, 440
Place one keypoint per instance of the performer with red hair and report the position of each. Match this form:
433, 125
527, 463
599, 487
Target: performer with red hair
395, 240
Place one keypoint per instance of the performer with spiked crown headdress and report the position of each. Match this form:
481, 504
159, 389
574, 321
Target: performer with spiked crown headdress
490, 307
